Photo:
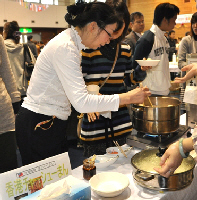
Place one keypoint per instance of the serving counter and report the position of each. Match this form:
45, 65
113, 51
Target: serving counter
136, 192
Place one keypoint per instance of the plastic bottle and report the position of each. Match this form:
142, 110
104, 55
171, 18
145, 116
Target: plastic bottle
174, 57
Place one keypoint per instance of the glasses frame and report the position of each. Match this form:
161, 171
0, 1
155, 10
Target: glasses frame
110, 36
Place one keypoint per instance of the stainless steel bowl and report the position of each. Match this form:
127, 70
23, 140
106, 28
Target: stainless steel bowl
144, 175
162, 118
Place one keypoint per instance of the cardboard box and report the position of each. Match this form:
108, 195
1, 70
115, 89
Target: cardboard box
79, 190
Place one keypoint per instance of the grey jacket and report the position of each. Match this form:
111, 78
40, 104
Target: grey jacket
16, 57
188, 45
131, 40
8, 92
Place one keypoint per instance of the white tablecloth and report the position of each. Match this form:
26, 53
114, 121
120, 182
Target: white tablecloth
123, 165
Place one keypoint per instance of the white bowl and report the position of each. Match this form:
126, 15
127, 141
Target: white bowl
116, 151
148, 62
103, 161
109, 184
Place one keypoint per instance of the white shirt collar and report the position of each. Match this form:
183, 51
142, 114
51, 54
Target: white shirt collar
155, 29
138, 34
78, 39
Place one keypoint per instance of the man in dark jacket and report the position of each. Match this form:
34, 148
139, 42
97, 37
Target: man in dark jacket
172, 42
32, 46
137, 25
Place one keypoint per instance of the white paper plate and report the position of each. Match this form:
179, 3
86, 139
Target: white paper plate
148, 62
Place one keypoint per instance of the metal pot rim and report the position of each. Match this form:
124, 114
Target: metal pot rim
159, 97
156, 173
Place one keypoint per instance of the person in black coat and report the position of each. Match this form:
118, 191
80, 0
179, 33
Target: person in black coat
32, 46
172, 42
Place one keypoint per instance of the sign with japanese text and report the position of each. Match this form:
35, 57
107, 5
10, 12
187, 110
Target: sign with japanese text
182, 19
30, 178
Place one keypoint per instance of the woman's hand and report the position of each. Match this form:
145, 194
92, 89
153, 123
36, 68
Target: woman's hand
134, 96
192, 72
170, 161
93, 116
139, 94
172, 158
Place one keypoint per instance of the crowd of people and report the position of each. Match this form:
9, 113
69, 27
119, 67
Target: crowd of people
36, 117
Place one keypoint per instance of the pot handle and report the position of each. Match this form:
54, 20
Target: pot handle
137, 109
144, 176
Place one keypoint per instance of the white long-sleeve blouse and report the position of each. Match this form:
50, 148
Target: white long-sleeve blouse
57, 81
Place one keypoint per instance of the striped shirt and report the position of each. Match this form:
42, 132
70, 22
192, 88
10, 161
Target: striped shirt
95, 69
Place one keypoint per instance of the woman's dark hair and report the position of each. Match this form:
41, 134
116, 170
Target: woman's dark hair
123, 14
166, 10
109, 50
12, 31
80, 14
193, 21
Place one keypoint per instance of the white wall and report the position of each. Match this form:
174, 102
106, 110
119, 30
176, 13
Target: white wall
47, 19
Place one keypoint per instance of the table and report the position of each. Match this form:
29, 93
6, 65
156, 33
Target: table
136, 192
122, 165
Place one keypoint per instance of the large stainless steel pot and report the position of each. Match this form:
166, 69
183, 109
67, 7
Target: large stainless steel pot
162, 118
144, 175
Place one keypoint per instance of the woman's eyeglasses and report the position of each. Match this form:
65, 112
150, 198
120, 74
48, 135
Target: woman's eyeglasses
107, 33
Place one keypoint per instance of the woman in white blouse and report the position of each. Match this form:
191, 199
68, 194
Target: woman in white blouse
57, 82
180, 149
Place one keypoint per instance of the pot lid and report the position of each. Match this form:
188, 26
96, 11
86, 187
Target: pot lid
146, 160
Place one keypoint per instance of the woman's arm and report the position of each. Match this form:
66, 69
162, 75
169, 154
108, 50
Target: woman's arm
71, 77
192, 68
134, 96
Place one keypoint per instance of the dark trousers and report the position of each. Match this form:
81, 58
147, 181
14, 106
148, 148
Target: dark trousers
8, 158
35, 145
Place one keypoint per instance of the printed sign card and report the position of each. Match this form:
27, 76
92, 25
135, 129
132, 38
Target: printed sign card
30, 178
